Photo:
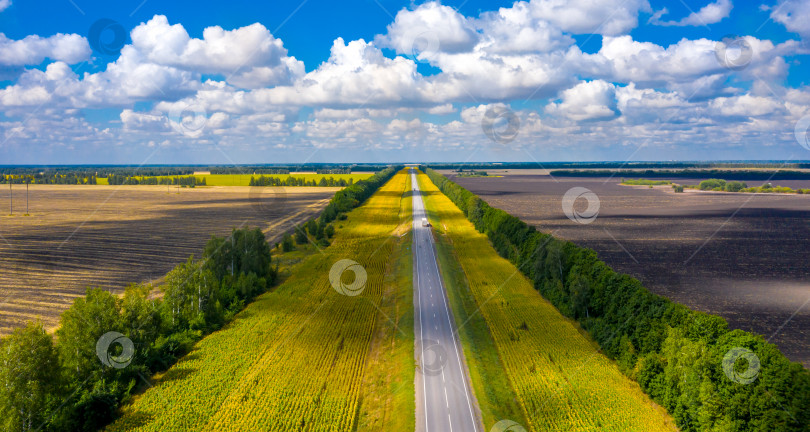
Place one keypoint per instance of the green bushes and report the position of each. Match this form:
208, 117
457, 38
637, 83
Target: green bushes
722, 185
735, 186
645, 182
287, 243
712, 184
677, 355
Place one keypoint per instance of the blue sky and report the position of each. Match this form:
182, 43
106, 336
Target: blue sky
383, 80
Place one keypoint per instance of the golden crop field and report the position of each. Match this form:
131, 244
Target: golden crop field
244, 179
562, 382
296, 358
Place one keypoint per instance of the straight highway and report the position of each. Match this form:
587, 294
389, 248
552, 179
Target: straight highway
441, 379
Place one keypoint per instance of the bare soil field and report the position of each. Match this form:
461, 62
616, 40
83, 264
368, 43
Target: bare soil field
110, 236
745, 257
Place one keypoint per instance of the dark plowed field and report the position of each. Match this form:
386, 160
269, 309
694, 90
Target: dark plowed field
745, 257
110, 236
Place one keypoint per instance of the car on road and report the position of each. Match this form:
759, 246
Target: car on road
425, 222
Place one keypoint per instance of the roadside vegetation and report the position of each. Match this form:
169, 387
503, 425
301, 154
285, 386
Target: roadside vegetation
297, 358
560, 380
388, 400
709, 378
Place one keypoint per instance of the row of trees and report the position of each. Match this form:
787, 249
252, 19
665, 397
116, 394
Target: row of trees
299, 181
180, 181
334, 171
63, 384
687, 361
319, 230
70, 179
248, 170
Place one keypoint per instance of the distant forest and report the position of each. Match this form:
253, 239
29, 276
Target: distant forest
87, 171
764, 175
620, 165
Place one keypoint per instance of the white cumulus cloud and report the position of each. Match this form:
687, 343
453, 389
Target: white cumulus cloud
587, 101
32, 50
709, 14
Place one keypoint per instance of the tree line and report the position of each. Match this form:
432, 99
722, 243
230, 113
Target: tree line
63, 383
180, 181
77, 380
736, 186
248, 170
319, 230
299, 181
690, 173
69, 179
709, 378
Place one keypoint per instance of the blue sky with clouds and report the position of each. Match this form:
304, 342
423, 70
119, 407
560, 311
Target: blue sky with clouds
382, 80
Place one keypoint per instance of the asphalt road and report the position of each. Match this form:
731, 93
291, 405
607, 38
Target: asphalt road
446, 402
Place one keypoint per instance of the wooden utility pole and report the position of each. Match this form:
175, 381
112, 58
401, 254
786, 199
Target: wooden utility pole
26, 197
10, 199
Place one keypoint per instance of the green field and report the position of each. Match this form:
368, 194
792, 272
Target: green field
305, 357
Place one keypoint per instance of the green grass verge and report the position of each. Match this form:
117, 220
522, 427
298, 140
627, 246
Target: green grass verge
388, 402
